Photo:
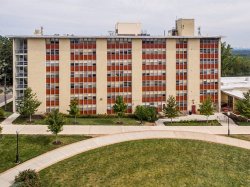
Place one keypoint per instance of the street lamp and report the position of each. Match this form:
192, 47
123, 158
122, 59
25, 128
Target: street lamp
228, 130
17, 148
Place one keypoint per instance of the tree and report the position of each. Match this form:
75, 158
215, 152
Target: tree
243, 106
5, 65
207, 108
29, 104
140, 113
233, 65
171, 109
119, 107
6, 59
55, 121
73, 108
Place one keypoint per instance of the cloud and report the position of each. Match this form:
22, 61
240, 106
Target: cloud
229, 18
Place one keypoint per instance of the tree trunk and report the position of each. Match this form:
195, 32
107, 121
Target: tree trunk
5, 94
56, 138
75, 119
171, 120
207, 119
30, 118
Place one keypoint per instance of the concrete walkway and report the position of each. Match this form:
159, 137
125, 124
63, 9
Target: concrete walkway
10, 119
52, 157
9, 99
105, 129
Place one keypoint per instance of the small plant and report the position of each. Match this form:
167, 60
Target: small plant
55, 121
1, 129
73, 108
119, 107
207, 108
27, 178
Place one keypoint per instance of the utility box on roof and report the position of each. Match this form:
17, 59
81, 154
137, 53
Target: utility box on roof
131, 29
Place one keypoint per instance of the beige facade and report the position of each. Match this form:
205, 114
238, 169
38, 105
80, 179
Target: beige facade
37, 70
171, 67
136, 73
101, 81
193, 82
185, 27
64, 75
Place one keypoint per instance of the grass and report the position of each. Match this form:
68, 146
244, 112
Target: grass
84, 121
243, 123
193, 123
158, 162
30, 146
241, 136
8, 111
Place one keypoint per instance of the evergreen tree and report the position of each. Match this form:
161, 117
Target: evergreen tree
207, 108
28, 105
171, 109
243, 106
73, 108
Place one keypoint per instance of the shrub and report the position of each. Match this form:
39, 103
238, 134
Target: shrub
1, 113
27, 178
146, 113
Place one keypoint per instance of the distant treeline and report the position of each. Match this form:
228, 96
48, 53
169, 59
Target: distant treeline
234, 62
241, 52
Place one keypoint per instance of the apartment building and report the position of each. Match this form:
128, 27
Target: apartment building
144, 69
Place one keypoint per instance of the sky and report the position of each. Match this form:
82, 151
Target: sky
228, 18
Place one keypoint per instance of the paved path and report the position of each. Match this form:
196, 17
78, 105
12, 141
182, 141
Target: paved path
105, 129
9, 99
52, 157
10, 119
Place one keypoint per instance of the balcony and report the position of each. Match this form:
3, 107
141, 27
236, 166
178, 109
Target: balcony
23, 75
21, 51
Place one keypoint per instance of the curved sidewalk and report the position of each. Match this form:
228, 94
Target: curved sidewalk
52, 157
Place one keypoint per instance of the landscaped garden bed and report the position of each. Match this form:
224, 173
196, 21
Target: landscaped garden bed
84, 120
193, 123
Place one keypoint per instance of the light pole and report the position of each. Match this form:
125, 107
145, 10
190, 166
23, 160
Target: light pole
228, 130
17, 148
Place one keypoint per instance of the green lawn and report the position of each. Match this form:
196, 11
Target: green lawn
158, 162
243, 123
84, 121
30, 146
241, 136
8, 112
193, 123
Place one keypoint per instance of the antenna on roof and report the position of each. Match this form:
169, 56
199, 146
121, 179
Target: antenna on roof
199, 31
41, 30
111, 33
